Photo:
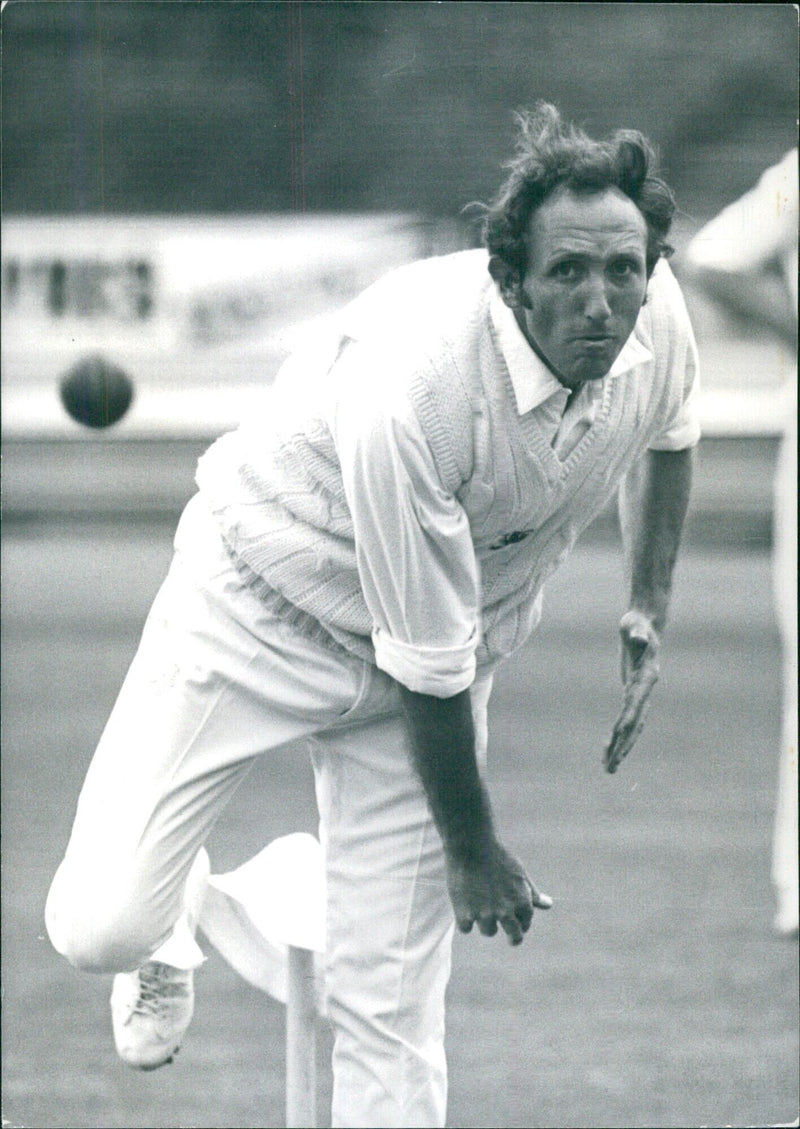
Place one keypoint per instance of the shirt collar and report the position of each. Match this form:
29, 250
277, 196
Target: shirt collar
531, 379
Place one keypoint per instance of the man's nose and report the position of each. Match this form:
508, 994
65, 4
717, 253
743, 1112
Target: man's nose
597, 307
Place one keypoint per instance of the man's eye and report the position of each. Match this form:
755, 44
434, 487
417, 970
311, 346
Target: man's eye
624, 267
568, 268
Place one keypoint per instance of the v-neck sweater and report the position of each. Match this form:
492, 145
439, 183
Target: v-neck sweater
393, 499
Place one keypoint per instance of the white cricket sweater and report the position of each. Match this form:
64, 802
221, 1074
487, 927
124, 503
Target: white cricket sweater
394, 498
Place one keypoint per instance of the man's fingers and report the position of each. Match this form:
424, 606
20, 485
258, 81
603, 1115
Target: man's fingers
634, 710
622, 741
627, 728
630, 722
515, 924
524, 915
513, 928
619, 747
497, 896
488, 925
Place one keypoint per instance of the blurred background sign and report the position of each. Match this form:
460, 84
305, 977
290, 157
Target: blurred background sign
197, 311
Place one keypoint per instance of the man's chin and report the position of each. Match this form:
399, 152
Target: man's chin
592, 367
585, 373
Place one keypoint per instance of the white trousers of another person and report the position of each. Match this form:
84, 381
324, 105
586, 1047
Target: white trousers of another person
217, 681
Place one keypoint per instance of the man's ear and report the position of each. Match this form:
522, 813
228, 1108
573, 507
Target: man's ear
508, 282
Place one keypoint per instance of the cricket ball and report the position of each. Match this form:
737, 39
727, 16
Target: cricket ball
96, 392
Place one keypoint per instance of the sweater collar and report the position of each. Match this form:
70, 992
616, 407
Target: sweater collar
531, 379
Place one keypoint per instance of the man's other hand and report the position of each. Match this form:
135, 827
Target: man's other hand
494, 890
640, 671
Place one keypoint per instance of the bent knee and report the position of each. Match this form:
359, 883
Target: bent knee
110, 953
107, 946
97, 935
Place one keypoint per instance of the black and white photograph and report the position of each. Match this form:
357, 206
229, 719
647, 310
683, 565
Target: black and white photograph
399, 564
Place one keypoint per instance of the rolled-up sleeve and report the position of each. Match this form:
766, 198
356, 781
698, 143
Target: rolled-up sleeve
414, 549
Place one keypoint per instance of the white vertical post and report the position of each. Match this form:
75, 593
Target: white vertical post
301, 1041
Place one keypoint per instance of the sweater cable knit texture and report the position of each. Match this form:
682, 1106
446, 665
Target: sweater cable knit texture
276, 486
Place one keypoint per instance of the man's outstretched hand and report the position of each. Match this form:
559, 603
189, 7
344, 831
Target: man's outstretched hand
640, 671
494, 890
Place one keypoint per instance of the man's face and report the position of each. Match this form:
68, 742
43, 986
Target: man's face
585, 282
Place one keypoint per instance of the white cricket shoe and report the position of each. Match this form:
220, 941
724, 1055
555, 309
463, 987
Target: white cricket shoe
151, 1010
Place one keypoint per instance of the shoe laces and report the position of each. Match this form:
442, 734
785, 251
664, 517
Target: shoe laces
158, 983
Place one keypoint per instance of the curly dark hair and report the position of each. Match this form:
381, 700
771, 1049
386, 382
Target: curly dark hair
550, 154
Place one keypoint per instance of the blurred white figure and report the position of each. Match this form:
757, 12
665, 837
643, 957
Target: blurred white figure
747, 258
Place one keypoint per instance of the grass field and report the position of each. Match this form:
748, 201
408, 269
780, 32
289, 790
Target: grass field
653, 994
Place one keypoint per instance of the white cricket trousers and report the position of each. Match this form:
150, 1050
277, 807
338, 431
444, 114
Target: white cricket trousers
216, 682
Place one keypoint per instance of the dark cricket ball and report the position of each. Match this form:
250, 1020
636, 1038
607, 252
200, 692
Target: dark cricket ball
96, 392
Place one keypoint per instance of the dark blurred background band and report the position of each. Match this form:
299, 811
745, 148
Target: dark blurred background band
263, 107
